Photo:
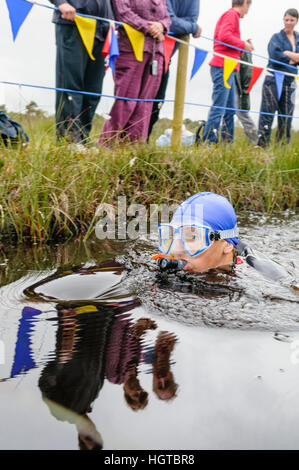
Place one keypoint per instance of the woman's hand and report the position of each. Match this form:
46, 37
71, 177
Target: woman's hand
160, 38
199, 31
68, 12
293, 56
248, 46
156, 29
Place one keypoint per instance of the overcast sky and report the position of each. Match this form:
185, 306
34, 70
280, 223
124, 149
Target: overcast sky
31, 59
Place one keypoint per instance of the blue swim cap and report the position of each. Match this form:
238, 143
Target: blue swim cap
207, 209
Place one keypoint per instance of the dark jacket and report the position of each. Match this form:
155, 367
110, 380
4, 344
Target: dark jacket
101, 8
279, 43
183, 15
243, 79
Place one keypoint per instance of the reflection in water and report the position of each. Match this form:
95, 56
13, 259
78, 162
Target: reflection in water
163, 382
95, 341
23, 359
99, 345
76, 374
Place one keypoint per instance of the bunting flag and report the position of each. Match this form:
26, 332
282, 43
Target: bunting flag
137, 41
110, 48
199, 58
256, 73
279, 78
23, 359
87, 29
229, 67
169, 45
18, 12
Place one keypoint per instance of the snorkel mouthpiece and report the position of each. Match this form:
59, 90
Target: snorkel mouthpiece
168, 264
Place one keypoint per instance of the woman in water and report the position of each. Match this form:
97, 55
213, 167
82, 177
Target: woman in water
203, 235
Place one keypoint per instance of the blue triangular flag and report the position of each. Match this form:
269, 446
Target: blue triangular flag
18, 11
23, 359
114, 50
279, 78
199, 58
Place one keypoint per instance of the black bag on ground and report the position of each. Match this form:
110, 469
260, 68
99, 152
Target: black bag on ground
11, 132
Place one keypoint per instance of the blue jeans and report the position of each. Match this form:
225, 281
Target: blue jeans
224, 98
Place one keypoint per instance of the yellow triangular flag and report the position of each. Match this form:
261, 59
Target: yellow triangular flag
86, 309
297, 78
137, 41
229, 67
87, 29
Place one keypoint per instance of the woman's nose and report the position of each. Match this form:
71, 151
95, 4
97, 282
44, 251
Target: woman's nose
177, 247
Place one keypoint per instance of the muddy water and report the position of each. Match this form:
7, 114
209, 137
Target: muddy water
94, 355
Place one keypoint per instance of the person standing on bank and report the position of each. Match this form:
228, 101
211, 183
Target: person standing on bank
133, 78
75, 70
227, 31
184, 16
243, 79
283, 47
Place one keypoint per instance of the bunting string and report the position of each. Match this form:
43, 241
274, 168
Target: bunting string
86, 24
125, 98
107, 20
252, 53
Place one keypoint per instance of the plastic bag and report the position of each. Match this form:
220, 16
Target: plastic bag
188, 138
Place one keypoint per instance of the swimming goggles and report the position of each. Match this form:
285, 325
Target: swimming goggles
195, 238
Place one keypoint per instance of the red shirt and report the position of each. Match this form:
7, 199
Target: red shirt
227, 30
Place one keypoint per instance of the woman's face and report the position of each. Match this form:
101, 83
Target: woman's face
289, 23
213, 257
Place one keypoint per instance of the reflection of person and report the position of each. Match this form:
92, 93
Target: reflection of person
124, 349
164, 385
75, 70
76, 374
243, 78
94, 341
184, 16
227, 31
283, 47
124, 354
72, 380
134, 78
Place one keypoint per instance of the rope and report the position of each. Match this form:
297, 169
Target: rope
66, 90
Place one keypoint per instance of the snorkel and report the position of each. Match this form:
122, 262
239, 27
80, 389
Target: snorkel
168, 263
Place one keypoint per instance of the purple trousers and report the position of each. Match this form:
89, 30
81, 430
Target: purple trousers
130, 119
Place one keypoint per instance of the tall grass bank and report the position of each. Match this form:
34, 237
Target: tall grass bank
50, 190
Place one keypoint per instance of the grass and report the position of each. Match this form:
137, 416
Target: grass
49, 191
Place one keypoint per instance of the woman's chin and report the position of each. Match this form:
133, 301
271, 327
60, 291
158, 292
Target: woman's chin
191, 268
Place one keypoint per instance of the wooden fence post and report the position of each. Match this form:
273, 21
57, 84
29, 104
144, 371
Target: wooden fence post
180, 91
